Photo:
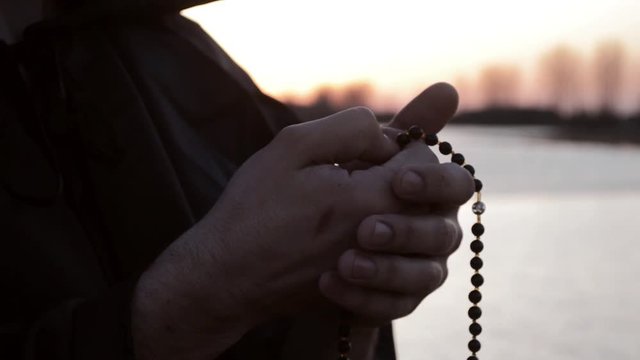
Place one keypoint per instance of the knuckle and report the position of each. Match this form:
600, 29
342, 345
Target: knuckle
457, 237
464, 183
439, 236
445, 231
289, 134
449, 238
468, 186
389, 272
444, 272
364, 115
366, 119
436, 274
407, 232
440, 180
458, 182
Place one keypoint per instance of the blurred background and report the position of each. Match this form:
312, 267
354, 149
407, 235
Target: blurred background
550, 118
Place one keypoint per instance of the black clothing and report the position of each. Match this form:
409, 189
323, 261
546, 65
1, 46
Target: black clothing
116, 135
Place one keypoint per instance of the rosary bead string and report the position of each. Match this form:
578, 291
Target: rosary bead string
344, 336
478, 208
415, 133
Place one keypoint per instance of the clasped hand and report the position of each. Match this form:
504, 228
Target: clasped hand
330, 207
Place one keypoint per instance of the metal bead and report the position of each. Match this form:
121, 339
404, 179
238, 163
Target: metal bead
478, 208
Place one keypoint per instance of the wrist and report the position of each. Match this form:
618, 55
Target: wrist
183, 306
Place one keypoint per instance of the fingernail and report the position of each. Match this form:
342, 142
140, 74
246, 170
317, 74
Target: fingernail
363, 268
382, 234
411, 182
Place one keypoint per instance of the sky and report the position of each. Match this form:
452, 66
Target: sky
291, 47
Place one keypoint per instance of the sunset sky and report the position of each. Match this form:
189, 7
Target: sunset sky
291, 47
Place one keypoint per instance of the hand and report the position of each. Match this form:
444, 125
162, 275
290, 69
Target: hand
283, 220
401, 257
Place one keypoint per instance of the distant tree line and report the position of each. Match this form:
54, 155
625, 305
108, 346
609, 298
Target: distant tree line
570, 87
568, 81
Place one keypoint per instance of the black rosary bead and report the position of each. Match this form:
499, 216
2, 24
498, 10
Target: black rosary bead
431, 139
477, 246
474, 312
477, 229
475, 329
457, 158
477, 280
474, 346
478, 184
344, 346
415, 132
476, 263
475, 296
445, 148
403, 139
471, 170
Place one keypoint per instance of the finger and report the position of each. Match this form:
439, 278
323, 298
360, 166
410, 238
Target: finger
391, 273
421, 152
366, 302
430, 110
372, 188
434, 184
427, 235
349, 135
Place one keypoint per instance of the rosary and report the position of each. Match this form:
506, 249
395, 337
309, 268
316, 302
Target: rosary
415, 133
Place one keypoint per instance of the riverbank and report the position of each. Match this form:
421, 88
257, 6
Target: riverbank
589, 127
601, 128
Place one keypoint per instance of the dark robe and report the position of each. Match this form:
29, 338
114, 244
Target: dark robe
120, 124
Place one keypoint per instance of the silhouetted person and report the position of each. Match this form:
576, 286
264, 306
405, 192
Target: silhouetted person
150, 211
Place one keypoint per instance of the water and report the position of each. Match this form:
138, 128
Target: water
562, 254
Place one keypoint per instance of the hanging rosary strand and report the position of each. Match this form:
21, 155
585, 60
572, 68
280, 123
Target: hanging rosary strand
344, 333
415, 133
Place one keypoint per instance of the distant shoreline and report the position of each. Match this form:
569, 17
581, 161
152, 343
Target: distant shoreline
602, 128
620, 134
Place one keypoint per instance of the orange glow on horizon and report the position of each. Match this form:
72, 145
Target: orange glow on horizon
292, 47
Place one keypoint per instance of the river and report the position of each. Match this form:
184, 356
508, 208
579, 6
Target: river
562, 253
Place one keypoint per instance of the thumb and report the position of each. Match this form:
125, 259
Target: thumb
352, 134
430, 110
